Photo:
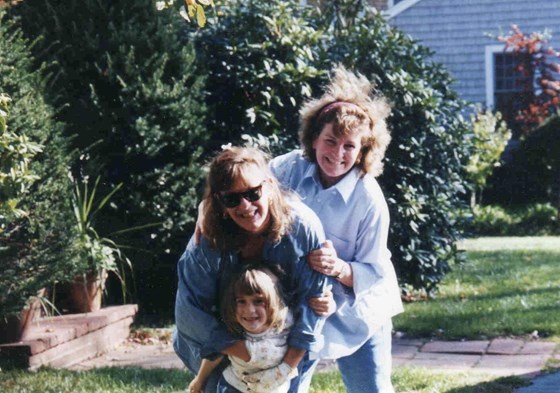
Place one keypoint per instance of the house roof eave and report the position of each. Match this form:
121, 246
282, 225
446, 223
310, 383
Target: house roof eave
400, 7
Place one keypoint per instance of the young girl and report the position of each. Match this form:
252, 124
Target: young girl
253, 306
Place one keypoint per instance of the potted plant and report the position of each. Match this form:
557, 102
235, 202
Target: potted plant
97, 256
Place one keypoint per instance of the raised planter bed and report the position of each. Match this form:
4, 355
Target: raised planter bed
65, 340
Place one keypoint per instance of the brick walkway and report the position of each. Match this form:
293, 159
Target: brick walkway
500, 357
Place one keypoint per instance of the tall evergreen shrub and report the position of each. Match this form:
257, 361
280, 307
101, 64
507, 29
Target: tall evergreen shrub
34, 248
130, 98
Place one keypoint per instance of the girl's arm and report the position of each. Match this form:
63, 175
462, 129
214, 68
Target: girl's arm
206, 368
239, 350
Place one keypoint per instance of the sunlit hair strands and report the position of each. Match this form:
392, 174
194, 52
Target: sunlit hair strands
350, 105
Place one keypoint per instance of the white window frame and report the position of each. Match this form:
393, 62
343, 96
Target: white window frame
490, 67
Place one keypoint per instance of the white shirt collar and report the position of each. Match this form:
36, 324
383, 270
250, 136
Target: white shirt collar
345, 186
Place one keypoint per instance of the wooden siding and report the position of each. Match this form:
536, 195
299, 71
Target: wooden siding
456, 31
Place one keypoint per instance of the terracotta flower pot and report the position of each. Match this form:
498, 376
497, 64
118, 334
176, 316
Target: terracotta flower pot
14, 327
86, 292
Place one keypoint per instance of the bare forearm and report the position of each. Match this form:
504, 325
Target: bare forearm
346, 276
293, 356
207, 366
239, 350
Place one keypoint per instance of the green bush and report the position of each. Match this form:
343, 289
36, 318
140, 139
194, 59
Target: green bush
424, 178
260, 58
35, 247
130, 98
533, 220
490, 138
127, 88
531, 174
264, 58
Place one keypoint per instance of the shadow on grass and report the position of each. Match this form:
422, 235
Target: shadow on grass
499, 385
143, 376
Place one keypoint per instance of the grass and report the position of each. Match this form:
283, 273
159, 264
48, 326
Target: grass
138, 380
101, 380
509, 286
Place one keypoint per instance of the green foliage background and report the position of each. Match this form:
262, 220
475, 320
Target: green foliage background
261, 68
35, 248
127, 92
531, 174
145, 98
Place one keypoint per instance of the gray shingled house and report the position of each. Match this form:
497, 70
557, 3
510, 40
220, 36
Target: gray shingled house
457, 31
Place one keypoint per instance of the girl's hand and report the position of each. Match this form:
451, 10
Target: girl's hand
196, 385
267, 380
325, 260
323, 305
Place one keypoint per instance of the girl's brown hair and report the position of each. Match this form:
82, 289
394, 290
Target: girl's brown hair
253, 280
348, 104
228, 166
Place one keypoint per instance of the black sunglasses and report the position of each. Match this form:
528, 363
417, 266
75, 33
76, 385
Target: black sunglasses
233, 199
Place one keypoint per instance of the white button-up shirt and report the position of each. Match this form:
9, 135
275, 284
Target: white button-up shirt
355, 217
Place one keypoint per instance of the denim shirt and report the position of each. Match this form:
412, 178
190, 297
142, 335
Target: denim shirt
355, 218
204, 271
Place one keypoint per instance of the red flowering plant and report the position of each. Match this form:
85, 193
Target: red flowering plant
539, 69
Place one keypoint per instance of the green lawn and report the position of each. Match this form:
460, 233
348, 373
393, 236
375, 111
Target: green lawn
138, 380
102, 380
417, 380
508, 286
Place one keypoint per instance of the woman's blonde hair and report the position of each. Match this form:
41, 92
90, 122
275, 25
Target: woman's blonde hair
254, 280
225, 169
348, 104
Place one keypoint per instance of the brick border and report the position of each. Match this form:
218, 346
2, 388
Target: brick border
69, 339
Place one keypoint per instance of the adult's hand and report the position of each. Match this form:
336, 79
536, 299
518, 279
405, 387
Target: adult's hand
196, 385
325, 260
198, 226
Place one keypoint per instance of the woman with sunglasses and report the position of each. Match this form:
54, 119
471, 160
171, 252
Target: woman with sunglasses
344, 137
247, 218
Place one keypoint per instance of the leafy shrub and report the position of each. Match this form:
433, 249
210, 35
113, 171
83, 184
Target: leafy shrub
264, 58
125, 81
16, 152
490, 139
532, 220
531, 174
132, 101
260, 58
35, 247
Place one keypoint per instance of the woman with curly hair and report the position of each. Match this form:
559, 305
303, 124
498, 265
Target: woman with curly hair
344, 137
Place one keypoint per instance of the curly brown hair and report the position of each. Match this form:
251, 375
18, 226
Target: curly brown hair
226, 168
348, 104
